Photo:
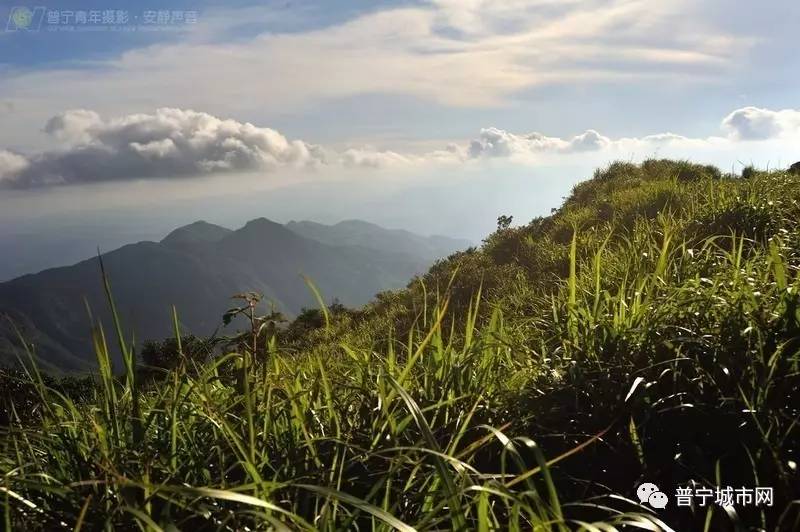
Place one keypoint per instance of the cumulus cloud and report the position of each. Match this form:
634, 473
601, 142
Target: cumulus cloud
177, 142
495, 142
74, 126
754, 123
745, 124
11, 164
169, 142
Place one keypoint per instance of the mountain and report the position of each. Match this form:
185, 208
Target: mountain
200, 232
197, 268
360, 233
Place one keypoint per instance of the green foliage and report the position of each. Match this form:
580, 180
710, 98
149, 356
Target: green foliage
649, 330
748, 172
169, 353
504, 221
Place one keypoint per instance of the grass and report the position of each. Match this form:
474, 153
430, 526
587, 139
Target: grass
646, 331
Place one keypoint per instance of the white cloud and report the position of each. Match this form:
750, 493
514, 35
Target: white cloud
745, 124
370, 158
589, 140
177, 142
458, 53
495, 142
11, 164
75, 126
753, 123
169, 142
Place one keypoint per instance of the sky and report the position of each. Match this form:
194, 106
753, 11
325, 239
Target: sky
118, 124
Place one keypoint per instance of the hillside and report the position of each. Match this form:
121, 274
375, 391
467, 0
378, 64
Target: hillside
197, 268
646, 331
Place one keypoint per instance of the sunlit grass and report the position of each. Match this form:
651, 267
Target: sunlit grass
647, 331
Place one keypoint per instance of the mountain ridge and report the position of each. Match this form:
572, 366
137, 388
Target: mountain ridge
196, 232
197, 268
354, 231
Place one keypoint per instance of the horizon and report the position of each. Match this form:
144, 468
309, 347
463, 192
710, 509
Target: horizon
83, 249
228, 113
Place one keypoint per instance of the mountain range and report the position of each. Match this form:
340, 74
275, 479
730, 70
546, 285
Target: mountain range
197, 268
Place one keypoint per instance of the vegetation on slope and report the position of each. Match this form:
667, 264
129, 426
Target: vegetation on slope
646, 331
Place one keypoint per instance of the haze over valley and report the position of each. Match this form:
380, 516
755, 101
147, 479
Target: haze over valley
197, 269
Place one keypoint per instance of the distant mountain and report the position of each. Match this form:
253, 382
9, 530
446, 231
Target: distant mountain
360, 233
198, 268
197, 233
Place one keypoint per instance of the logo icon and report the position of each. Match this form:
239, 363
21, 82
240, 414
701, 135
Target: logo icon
649, 493
22, 18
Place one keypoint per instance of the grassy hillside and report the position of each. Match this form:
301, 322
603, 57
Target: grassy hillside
645, 331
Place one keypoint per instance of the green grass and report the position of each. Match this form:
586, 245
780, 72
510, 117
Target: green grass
646, 331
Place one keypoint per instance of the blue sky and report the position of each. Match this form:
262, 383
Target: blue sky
330, 110
45, 49
615, 78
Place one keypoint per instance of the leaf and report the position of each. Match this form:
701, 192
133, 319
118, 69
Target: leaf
636, 382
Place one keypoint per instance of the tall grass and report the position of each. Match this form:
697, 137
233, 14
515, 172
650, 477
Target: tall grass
357, 439
532, 389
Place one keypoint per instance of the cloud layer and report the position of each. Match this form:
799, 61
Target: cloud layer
183, 143
454, 53
742, 125
495, 142
167, 143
